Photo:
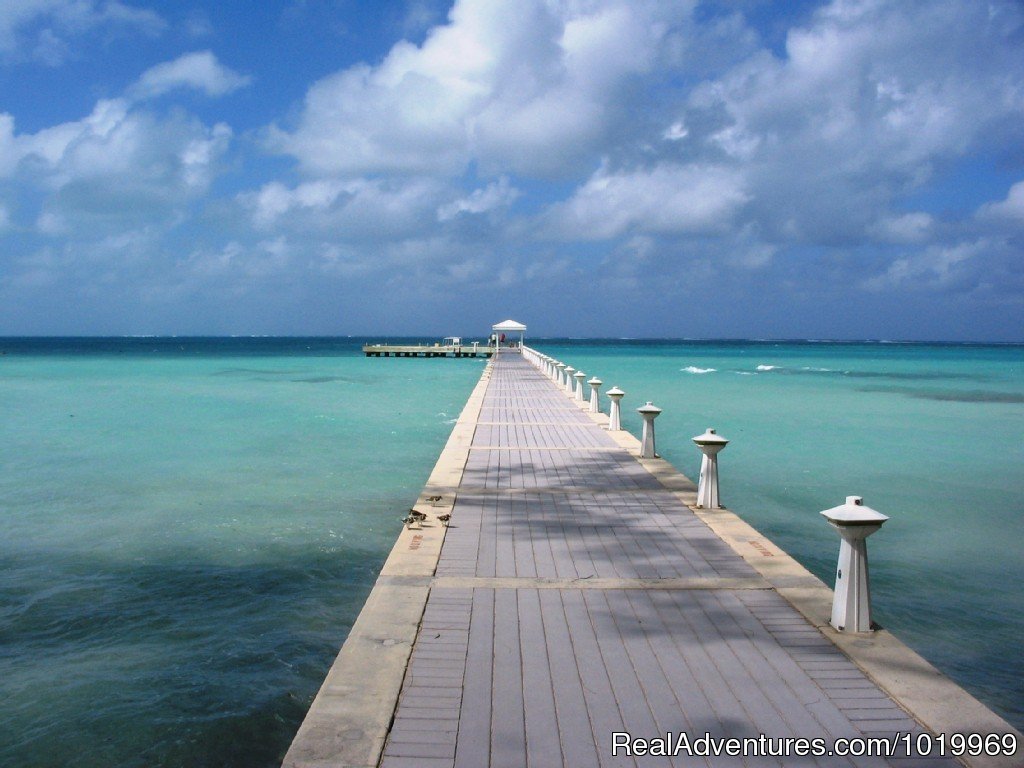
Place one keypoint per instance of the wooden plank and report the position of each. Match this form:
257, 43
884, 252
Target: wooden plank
474, 739
508, 728
579, 747
543, 747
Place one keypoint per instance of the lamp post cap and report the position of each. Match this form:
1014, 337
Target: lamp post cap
615, 392
649, 408
710, 437
596, 381
853, 512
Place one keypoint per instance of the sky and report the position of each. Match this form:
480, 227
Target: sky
850, 169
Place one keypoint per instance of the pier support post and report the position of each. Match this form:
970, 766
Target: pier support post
578, 389
595, 394
567, 384
558, 378
851, 606
614, 420
710, 444
649, 413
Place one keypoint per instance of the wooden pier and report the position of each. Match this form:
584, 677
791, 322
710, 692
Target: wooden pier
427, 350
577, 594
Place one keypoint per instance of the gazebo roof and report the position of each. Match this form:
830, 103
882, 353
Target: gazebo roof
508, 325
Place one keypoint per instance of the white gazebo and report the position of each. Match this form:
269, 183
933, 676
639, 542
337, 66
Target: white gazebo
506, 327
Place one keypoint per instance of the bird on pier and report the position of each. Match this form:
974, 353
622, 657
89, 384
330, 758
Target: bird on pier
432, 499
444, 519
409, 520
414, 513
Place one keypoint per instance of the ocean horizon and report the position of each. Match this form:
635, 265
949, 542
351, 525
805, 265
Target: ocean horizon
193, 523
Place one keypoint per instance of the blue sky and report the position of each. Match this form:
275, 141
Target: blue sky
847, 169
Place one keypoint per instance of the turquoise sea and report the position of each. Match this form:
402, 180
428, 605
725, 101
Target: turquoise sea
190, 526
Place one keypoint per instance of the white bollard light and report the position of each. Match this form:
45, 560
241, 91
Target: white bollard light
578, 389
595, 394
614, 421
710, 444
851, 606
559, 370
567, 384
649, 412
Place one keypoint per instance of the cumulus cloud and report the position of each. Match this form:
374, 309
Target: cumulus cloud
116, 167
870, 98
667, 199
676, 132
497, 195
525, 87
40, 29
1009, 210
199, 70
351, 209
937, 266
263, 259
115, 141
906, 228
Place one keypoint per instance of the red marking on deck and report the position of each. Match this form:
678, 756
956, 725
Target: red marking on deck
765, 552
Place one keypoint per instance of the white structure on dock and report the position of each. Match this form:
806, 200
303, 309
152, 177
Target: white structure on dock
710, 443
851, 606
507, 327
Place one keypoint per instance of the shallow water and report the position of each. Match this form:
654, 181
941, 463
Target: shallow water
930, 435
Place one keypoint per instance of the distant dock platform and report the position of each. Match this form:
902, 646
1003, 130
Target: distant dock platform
427, 350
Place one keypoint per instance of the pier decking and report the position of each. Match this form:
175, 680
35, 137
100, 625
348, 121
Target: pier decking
577, 595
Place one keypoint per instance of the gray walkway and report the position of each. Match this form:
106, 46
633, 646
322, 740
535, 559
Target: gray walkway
576, 597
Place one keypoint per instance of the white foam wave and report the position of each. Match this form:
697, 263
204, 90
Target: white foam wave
695, 369
767, 367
